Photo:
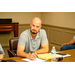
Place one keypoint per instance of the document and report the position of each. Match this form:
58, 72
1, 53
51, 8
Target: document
46, 56
36, 60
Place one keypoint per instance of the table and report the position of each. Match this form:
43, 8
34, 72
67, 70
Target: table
69, 59
10, 27
66, 59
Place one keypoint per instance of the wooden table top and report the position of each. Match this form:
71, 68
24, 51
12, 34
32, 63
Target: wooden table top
66, 59
69, 59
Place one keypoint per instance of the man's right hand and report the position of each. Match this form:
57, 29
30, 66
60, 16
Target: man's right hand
32, 56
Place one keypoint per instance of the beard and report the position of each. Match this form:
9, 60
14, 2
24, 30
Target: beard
33, 32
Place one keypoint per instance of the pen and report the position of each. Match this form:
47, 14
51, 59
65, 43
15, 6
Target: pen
32, 52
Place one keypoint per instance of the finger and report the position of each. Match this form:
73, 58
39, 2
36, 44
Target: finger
64, 44
32, 58
35, 55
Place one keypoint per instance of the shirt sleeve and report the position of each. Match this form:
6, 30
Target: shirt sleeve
44, 37
1, 50
22, 39
74, 37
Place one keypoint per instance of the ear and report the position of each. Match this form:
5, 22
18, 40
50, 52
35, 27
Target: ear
40, 26
30, 24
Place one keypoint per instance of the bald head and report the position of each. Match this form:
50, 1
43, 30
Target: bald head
35, 25
36, 20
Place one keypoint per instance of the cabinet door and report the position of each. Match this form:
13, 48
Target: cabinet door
6, 27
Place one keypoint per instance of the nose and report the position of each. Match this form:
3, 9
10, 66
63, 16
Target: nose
35, 27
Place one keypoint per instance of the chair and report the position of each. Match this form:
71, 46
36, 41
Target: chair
12, 51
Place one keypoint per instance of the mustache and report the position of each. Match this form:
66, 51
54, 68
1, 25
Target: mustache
34, 29
33, 32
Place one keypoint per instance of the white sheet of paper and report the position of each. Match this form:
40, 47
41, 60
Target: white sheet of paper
67, 55
36, 60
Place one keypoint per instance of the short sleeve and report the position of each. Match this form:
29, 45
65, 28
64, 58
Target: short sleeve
1, 50
44, 37
74, 37
22, 39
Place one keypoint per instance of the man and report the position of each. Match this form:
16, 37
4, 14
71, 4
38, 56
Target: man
33, 40
68, 45
1, 52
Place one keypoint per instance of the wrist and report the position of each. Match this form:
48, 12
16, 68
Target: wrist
28, 55
67, 43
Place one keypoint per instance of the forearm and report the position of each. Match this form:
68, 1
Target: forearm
23, 54
72, 41
20, 51
1, 57
42, 50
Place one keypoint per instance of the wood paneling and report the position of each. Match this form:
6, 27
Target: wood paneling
58, 35
23, 27
68, 34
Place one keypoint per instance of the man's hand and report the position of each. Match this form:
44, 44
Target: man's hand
1, 56
32, 56
64, 44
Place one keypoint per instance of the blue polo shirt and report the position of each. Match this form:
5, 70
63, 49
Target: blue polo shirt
30, 43
74, 37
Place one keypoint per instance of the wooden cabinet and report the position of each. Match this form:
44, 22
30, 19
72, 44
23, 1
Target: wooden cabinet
10, 27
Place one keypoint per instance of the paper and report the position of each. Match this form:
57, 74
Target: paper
67, 55
46, 56
36, 60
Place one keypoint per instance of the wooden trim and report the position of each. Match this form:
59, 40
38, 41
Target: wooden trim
58, 26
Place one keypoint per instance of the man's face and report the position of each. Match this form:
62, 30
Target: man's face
35, 27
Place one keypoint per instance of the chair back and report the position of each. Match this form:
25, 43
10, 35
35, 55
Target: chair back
13, 43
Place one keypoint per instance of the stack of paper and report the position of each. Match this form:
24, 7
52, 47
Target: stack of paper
46, 56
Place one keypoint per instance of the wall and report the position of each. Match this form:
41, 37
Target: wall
21, 17
60, 27
61, 19
58, 35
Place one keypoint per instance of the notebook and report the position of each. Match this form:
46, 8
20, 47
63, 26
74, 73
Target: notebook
46, 56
